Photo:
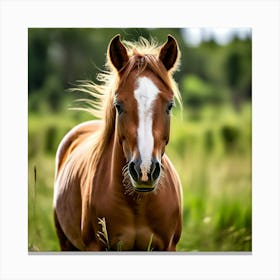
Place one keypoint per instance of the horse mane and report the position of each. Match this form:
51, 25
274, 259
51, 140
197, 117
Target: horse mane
142, 55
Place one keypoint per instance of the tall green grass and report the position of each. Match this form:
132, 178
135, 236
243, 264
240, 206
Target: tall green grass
211, 151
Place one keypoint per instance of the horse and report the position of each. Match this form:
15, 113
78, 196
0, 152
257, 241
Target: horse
115, 188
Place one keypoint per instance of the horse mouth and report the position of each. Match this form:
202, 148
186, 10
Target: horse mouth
144, 189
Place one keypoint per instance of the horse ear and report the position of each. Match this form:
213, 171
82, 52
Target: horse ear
117, 53
169, 53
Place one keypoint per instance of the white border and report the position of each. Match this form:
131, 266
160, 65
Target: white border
17, 16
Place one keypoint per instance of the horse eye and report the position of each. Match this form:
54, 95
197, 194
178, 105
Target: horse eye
119, 108
169, 107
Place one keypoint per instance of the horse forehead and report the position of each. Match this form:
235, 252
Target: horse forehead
145, 92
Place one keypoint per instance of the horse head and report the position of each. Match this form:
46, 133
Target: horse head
143, 101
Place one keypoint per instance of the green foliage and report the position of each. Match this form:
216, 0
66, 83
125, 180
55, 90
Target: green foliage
209, 73
199, 92
230, 135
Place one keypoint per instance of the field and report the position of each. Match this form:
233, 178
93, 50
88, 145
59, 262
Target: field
211, 150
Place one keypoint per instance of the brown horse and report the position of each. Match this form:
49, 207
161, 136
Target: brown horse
115, 188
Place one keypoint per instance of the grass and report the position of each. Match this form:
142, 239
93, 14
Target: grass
103, 234
212, 154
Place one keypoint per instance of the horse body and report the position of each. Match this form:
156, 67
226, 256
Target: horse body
134, 188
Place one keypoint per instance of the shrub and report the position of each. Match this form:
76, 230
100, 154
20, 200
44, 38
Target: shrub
230, 136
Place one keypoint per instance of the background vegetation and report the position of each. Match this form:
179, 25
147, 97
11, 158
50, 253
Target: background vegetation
210, 140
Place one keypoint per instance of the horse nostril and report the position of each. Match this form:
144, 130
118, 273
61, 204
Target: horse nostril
133, 171
155, 170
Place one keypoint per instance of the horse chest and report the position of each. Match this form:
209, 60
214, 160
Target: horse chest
137, 227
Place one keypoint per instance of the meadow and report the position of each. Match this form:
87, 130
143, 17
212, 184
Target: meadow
211, 150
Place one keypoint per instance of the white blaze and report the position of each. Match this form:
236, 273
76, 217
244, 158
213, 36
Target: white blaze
145, 93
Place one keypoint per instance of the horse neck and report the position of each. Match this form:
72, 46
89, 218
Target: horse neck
118, 161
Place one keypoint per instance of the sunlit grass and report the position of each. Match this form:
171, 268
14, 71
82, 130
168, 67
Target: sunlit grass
103, 234
216, 179
214, 167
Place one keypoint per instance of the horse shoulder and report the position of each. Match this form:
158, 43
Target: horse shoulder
177, 188
67, 200
174, 177
70, 141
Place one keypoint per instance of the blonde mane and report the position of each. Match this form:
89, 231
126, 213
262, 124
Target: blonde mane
142, 54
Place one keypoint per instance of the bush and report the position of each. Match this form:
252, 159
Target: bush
209, 140
51, 139
230, 136
198, 92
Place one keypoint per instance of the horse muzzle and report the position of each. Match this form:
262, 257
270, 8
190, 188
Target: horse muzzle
144, 180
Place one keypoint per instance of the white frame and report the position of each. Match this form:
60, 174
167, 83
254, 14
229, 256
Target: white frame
18, 16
